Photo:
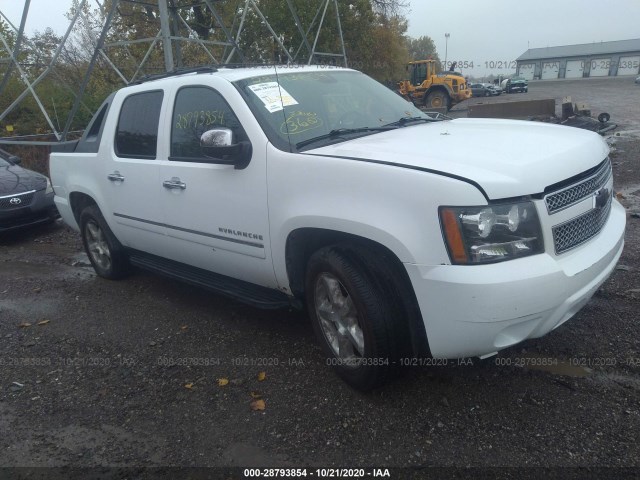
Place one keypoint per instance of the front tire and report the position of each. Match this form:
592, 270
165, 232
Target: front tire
437, 99
105, 253
353, 318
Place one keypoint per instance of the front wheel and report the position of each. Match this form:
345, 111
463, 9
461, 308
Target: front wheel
437, 99
103, 249
352, 317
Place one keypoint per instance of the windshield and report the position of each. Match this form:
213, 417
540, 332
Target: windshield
296, 108
4, 163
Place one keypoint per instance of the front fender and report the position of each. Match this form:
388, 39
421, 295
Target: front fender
394, 206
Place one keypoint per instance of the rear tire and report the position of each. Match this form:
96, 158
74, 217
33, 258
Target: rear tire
106, 254
356, 321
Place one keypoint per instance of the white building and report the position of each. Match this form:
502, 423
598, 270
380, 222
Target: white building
603, 59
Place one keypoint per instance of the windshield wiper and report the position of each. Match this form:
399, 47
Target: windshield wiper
406, 120
343, 131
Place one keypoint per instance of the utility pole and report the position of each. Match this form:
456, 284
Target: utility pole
446, 49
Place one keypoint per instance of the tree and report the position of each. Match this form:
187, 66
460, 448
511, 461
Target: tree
387, 52
390, 8
8, 34
422, 48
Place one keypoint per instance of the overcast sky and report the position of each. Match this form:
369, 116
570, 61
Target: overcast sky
484, 32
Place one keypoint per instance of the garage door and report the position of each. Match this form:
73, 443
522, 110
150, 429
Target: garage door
629, 65
526, 71
550, 70
575, 69
600, 67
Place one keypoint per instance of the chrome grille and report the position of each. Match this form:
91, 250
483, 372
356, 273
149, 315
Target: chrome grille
573, 194
13, 202
575, 232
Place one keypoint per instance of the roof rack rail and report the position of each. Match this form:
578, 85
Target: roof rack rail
249, 65
173, 73
271, 64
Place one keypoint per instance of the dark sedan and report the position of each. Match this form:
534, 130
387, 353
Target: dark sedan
26, 197
480, 90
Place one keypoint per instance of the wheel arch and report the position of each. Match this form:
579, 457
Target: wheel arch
78, 201
439, 88
303, 242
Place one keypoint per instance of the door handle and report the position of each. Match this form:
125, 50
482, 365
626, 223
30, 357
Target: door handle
174, 184
115, 177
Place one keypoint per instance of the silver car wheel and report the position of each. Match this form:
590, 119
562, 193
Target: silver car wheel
97, 245
338, 319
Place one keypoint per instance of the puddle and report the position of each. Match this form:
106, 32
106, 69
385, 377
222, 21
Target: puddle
14, 270
30, 307
80, 260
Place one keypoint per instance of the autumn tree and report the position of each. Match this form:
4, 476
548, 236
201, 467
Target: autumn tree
422, 48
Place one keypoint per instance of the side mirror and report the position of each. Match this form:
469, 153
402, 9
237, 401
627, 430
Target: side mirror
15, 160
219, 146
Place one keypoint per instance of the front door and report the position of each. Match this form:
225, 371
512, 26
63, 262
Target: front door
216, 216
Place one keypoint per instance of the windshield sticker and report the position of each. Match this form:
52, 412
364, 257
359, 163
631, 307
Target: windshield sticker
274, 97
299, 122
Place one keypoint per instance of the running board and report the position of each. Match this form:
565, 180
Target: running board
245, 292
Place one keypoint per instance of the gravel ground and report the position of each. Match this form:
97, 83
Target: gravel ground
127, 374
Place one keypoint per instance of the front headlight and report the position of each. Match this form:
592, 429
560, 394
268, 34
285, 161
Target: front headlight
491, 233
49, 188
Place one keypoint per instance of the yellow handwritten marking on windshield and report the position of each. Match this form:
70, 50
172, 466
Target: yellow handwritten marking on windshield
199, 118
299, 122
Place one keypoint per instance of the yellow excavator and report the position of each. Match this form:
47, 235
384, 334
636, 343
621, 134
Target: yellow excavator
428, 89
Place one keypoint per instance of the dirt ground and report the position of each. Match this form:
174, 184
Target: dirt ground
126, 375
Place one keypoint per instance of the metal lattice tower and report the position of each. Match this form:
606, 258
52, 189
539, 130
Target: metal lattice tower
173, 34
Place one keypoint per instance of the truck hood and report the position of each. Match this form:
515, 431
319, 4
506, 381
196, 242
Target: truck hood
506, 158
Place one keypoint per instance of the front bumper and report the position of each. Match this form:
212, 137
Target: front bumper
40, 210
481, 309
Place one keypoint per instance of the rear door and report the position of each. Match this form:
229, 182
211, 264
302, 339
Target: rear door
216, 216
130, 174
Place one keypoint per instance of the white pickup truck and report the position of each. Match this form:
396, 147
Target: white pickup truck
405, 237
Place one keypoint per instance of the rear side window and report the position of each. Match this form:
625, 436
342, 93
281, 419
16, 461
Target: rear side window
96, 125
137, 132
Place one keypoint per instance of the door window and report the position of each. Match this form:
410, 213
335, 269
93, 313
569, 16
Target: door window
137, 132
197, 110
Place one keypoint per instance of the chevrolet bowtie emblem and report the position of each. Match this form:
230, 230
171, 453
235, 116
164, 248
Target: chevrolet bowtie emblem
601, 198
